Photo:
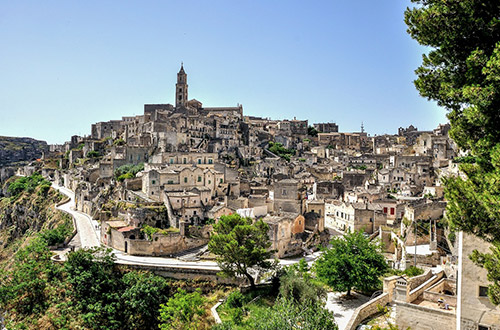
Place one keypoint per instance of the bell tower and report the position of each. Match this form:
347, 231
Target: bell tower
181, 88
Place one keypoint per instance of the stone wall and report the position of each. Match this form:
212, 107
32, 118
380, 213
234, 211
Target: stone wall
163, 245
423, 318
416, 281
475, 309
436, 292
389, 285
366, 310
415, 293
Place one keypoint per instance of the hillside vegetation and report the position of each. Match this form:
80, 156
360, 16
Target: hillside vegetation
29, 210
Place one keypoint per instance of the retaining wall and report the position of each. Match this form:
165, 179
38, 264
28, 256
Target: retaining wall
366, 310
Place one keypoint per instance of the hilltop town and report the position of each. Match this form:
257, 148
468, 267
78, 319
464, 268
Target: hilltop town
157, 182
180, 167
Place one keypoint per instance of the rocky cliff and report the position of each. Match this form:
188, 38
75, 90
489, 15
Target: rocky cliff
15, 150
26, 214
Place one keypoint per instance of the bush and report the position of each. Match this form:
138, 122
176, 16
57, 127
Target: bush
57, 235
93, 154
235, 300
27, 184
298, 286
279, 150
128, 175
44, 189
119, 142
413, 271
182, 311
129, 169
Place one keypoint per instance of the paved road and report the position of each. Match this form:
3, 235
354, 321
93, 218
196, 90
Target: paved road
89, 237
344, 309
86, 229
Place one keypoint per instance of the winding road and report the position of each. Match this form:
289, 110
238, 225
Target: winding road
88, 236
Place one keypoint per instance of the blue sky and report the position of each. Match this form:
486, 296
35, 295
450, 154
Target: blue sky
67, 64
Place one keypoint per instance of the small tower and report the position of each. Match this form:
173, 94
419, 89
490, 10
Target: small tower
181, 88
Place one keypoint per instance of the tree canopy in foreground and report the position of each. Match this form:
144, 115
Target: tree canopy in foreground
353, 262
462, 73
240, 245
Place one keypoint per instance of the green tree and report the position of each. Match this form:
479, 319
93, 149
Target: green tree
26, 288
286, 314
240, 245
312, 131
93, 154
95, 287
58, 234
462, 73
182, 311
143, 293
297, 284
352, 262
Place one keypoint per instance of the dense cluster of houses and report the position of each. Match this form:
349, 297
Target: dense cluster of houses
196, 163
158, 181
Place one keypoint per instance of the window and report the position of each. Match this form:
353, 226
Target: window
221, 180
392, 211
199, 160
171, 160
209, 181
482, 327
185, 180
385, 210
194, 212
210, 161
483, 291
184, 160
153, 182
170, 182
283, 192
199, 178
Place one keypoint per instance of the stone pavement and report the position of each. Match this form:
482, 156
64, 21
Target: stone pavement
343, 309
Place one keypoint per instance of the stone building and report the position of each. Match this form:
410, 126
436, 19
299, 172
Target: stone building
180, 178
326, 127
283, 231
476, 310
287, 197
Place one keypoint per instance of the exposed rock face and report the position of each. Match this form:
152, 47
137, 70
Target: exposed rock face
28, 213
20, 149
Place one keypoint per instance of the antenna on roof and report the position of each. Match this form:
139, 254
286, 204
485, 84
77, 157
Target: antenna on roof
362, 128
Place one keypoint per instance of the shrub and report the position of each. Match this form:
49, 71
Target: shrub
57, 235
119, 142
413, 271
44, 189
128, 168
93, 154
235, 299
128, 175
27, 183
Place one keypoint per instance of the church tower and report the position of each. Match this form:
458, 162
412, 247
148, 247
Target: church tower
181, 88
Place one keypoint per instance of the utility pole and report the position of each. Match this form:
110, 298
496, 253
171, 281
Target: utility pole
415, 257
